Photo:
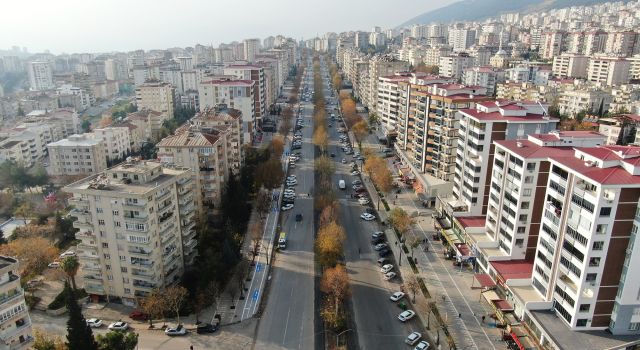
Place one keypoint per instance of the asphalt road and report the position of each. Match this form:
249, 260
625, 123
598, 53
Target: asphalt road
288, 318
374, 315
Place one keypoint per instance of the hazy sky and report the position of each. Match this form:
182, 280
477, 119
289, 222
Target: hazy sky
106, 25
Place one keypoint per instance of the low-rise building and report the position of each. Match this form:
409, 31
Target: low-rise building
116, 141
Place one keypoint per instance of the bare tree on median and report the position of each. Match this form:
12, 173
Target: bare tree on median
400, 220
175, 296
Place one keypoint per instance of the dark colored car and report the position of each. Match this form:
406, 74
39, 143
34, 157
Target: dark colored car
384, 252
298, 217
333, 155
377, 240
370, 211
206, 328
383, 261
138, 315
361, 190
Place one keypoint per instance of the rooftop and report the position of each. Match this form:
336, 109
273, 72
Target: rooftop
513, 269
472, 221
76, 140
189, 138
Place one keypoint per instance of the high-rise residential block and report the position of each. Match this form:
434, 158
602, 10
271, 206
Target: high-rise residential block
40, 75
77, 155
136, 223
156, 96
15, 323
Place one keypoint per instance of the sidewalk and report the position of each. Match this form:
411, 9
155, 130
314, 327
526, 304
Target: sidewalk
450, 288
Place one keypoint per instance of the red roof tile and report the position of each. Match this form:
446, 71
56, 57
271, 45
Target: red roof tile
472, 221
513, 269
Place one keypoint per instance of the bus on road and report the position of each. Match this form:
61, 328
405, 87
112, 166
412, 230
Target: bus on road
282, 240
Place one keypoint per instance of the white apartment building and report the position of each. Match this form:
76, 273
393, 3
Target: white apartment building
591, 100
77, 155
228, 121
433, 54
40, 75
136, 224
485, 77
84, 98
453, 66
254, 73
388, 94
608, 70
461, 39
236, 94
552, 43
116, 141
15, 327
251, 49
156, 96
479, 127
570, 66
380, 66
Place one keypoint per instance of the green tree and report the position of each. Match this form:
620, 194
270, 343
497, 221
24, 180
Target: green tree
79, 334
118, 340
70, 266
86, 125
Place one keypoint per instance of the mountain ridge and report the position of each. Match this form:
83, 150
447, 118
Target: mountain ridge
473, 10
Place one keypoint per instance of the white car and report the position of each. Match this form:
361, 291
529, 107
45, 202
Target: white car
396, 296
386, 268
423, 345
291, 177
343, 161
54, 265
380, 246
406, 315
287, 207
367, 217
119, 326
389, 276
178, 330
355, 173
67, 253
363, 201
413, 338
94, 322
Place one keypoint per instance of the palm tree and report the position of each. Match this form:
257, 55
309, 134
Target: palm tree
70, 266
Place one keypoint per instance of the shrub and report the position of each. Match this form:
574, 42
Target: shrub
59, 300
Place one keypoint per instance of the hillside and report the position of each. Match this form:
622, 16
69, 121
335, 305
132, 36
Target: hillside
471, 10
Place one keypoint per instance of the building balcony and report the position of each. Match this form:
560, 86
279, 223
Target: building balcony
92, 277
142, 263
166, 208
191, 244
139, 218
10, 296
139, 251
82, 225
85, 234
144, 285
91, 267
86, 256
22, 326
94, 289
81, 214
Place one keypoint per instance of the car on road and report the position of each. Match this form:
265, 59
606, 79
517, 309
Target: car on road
291, 183
367, 217
384, 252
378, 240
206, 328
361, 190
298, 217
377, 234
356, 182
138, 315
343, 161
119, 326
67, 253
286, 207
380, 246
363, 201
406, 315
357, 187
292, 177
333, 155
423, 345
174, 331
396, 296
389, 276
355, 173
382, 261
94, 322
386, 268
413, 338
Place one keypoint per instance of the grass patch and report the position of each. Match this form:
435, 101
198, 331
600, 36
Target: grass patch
60, 301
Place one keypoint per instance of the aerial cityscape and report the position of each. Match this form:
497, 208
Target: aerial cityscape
462, 174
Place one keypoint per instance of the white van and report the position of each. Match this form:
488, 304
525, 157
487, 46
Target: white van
342, 185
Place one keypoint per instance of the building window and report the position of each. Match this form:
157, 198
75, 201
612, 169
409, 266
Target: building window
100, 222
591, 277
108, 267
123, 258
531, 166
521, 229
99, 210
526, 192
125, 280
585, 307
123, 269
110, 277
598, 245
115, 213
581, 322
117, 223
634, 326
594, 262
127, 291
105, 245
605, 211
524, 205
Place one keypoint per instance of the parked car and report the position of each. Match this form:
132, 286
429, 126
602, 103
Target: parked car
356, 182
377, 234
378, 240
67, 253
389, 276
363, 201
380, 246
382, 261
386, 268
406, 315
119, 326
54, 265
174, 331
94, 322
396, 296
206, 328
423, 345
413, 338
138, 315
384, 252
367, 217
298, 217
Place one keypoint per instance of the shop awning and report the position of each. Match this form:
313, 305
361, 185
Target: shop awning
485, 280
503, 305
490, 296
462, 250
450, 237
